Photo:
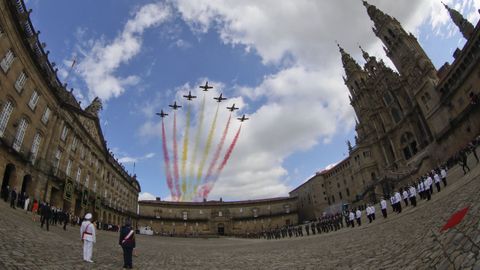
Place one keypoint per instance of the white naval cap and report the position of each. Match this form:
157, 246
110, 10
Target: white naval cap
88, 216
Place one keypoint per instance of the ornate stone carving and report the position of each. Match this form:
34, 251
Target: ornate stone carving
94, 107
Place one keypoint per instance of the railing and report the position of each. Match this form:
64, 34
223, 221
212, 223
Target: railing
8, 139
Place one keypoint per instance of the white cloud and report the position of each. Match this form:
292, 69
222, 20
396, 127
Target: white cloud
146, 196
101, 61
128, 159
305, 102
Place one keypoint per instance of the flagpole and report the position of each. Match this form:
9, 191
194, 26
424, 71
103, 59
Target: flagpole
71, 68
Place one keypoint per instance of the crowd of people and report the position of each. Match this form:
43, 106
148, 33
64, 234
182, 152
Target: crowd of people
46, 213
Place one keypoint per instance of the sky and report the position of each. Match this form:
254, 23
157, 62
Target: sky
276, 60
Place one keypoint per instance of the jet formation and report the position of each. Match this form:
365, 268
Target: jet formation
190, 97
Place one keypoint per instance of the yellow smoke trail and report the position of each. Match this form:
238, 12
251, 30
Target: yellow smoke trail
195, 147
185, 152
207, 149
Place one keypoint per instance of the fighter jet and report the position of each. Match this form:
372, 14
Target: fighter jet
220, 98
162, 114
175, 106
243, 118
206, 87
189, 96
232, 108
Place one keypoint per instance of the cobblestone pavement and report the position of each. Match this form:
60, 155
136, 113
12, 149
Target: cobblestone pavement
410, 240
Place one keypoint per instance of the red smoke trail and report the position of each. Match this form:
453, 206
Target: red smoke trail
208, 186
166, 160
217, 152
175, 156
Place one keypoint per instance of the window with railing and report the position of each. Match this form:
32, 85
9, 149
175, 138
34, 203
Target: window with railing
56, 161
20, 82
74, 143
64, 134
46, 115
5, 116
32, 103
22, 127
79, 173
87, 180
7, 61
69, 167
35, 147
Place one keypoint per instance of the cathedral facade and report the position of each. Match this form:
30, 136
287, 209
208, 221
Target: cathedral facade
409, 120
50, 148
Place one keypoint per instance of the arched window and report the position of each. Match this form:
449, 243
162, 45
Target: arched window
409, 145
396, 114
387, 98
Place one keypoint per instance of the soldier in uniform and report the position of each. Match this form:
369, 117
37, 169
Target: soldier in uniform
127, 241
351, 217
412, 193
436, 179
13, 197
46, 214
87, 234
358, 216
383, 206
443, 172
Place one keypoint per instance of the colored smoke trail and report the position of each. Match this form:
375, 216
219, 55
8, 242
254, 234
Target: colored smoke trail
185, 153
207, 149
216, 156
209, 186
166, 161
197, 142
175, 156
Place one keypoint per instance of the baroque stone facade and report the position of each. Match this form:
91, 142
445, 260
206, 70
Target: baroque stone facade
240, 218
51, 148
408, 120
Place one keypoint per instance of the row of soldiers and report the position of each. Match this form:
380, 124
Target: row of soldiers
324, 224
423, 188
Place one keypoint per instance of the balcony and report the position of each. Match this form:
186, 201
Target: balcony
7, 140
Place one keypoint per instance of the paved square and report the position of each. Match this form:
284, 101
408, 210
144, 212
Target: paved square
410, 240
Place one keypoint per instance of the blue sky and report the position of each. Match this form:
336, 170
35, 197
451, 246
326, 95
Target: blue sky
278, 61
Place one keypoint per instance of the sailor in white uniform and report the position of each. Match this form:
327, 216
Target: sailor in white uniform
398, 200
436, 179
443, 172
428, 187
405, 196
351, 218
383, 206
358, 216
412, 193
369, 215
87, 234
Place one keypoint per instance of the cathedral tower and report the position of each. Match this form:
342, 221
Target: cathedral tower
465, 27
402, 48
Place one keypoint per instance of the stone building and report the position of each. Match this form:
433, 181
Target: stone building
51, 148
239, 218
408, 120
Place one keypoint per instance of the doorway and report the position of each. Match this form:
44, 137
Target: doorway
27, 185
221, 229
6, 182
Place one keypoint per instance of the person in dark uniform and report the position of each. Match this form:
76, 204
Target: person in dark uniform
13, 197
127, 241
66, 218
46, 213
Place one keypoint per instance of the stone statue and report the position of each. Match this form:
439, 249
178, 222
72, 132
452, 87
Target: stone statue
94, 107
